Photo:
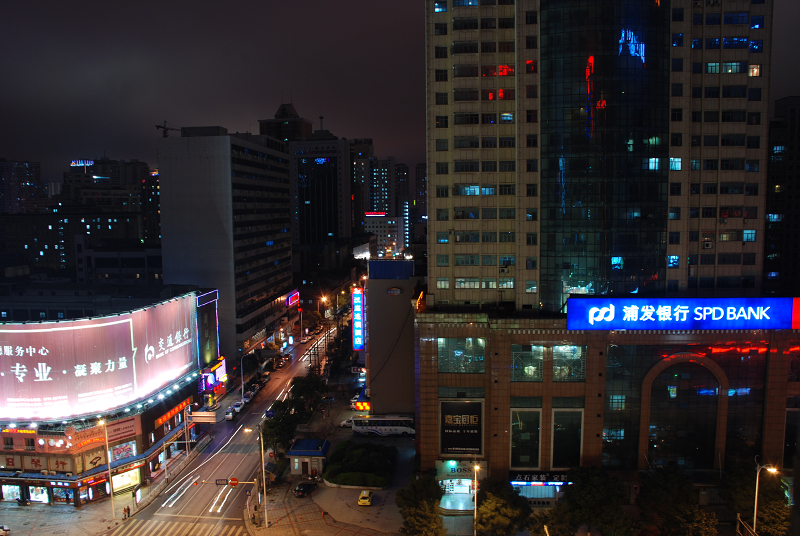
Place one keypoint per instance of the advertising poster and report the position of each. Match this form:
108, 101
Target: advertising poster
207, 329
54, 370
461, 427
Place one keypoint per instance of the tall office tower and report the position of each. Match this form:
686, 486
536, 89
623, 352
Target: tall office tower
287, 125
609, 147
20, 186
321, 176
225, 225
151, 208
362, 155
420, 193
382, 186
782, 247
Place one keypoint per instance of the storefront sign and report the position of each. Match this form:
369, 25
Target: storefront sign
446, 469
461, 425
9, 461
121, 429
394, 291
682, 313
538, 478
292, 298
174, 411
358, 318
60, 464
34, 464
125, 450
94, 458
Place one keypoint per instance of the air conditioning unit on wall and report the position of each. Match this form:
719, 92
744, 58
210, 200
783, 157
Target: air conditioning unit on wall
708, 245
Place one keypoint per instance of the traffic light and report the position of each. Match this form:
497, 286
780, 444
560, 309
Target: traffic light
299, 309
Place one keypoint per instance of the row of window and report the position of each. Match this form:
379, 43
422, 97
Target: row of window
441, 5
731, 18
477, 260
716, 140
715, 43
710, 259
709, 283
504, 118
531, 287
724, 116
713, 212
752, 94
475, 213
472, 94
444, 237
490, 142
726, 67
725, 188
484, 47
471, 166
708, 237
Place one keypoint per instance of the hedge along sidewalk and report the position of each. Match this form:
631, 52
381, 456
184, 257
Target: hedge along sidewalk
361, 465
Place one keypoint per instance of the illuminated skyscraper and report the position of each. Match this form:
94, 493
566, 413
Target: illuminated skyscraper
609, 147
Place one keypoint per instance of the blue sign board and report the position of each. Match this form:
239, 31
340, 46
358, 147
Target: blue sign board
681, 313
358, 318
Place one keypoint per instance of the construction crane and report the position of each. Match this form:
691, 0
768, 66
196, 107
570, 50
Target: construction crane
165, 129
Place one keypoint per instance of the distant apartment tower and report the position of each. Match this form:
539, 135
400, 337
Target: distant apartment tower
387, 231
616, 147
225, 224
20, 186
321, 175
362, 155
383, 186
782, 249
287, 125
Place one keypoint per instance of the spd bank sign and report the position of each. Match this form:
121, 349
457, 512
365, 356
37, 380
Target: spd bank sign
683, 313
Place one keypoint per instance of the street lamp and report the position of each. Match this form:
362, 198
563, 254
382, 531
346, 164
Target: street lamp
324, 299
241, 371
260, 442
102, 423
475, 516
769, 468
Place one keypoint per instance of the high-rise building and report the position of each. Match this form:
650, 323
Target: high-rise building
321, 176
225, 224
612, 150
383, 186
596, 149
362, 154
21, 187
782, 250
420, 211
287, 125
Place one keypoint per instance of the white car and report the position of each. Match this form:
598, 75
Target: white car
347, 423
237, 407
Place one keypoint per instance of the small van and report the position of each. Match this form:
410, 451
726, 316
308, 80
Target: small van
229, 413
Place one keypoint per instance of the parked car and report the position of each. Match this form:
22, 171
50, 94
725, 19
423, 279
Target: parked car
229, 414
237, 407
305, 339
5, 530
348, 423
327, 399
278, 365
365, 498
304, 489
248, 396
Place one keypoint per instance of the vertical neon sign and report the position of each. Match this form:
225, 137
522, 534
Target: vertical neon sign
358, 318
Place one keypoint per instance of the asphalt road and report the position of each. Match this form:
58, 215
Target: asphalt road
193, 503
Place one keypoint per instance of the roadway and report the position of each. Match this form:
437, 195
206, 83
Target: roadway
193, 503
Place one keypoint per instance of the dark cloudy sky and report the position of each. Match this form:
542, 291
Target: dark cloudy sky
81, 78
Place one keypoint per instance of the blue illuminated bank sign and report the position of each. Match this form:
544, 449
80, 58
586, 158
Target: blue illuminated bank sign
682, 313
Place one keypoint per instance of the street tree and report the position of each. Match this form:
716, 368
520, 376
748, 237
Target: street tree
690, 520
279, 430
738, 491
418, 505
501, 509
665, 491
424, 488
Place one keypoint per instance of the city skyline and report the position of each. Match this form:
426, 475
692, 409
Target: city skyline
91, 80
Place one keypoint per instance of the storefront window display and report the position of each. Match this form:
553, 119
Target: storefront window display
525, 438
39, 494
126, 480
62, 495
10, 492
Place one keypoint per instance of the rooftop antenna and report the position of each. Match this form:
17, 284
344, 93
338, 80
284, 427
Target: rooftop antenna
320, 122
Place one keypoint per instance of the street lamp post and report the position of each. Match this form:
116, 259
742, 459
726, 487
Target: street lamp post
241, 370
102, 423
475, 515
769, 468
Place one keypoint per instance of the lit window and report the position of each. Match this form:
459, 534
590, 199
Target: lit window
440, 6
673, 261
674, 164
754, 70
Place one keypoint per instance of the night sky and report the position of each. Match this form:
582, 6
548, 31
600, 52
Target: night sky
81, 79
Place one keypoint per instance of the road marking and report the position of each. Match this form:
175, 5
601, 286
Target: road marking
175, 528
213, 518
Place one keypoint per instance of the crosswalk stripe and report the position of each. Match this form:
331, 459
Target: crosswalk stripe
136, 527
128, 527
175, 529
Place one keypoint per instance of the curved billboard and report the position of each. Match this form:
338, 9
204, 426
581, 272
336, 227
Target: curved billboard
58, 370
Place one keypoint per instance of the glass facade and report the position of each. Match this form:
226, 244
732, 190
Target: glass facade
604, 148
525, 438
462, 355
567, 427
694, 392
526, 363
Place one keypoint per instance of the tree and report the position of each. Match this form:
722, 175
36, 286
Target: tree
738, 491
594, 499
279, 430
690, 520
422, 519
501, 509
664, 491
556, 519
425, 488
417, 503
309, 390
